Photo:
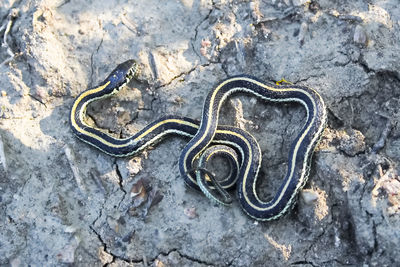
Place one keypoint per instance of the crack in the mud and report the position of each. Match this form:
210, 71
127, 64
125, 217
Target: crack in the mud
120, 182
166, 254
107, 249
375, 248
120, 179
355, 155
91, 60
64, 3
180, 75
305, 79
100, 213
196, 30
238, 254
302, 263
393, 74
313, 244
194, 259
364, 65
332, 261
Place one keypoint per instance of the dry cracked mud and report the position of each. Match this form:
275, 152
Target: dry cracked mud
63, 202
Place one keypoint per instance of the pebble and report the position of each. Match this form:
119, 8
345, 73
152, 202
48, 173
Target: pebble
190, 212
352, 142
360, 37
70, 229
309, 196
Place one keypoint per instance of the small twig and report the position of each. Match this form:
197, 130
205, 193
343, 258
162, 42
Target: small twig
350, 18
37, 99
381, 142
75, 169
2, 155
128, 24
347, 17
153, 65
286, 14
240, 55
302, 32
98, 183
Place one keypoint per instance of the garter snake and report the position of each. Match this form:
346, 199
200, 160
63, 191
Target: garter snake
300, 152
209, 132
149, 135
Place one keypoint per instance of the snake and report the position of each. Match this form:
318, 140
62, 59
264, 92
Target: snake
151, 134
208, 135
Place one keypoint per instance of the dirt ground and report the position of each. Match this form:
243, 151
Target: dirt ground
63, 202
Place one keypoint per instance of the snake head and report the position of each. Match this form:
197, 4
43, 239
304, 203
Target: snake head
122, 74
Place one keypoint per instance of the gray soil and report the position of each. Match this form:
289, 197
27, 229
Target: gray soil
63, 202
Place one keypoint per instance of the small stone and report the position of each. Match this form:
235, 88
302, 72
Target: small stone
139, 192
42, 94
134, 165
205, 43
352, 142
113, 224
394, 200
360, 36
67, 255
15, 262
302, 32
70, 229
203, 51
104, 257
392, 187
309, 196
158, 263
190, 212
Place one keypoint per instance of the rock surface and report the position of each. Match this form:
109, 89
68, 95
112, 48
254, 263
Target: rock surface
64, 202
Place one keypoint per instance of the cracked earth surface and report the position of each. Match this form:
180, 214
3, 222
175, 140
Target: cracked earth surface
65, 203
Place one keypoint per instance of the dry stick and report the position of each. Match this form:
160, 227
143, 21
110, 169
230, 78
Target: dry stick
382, 178
13, 14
